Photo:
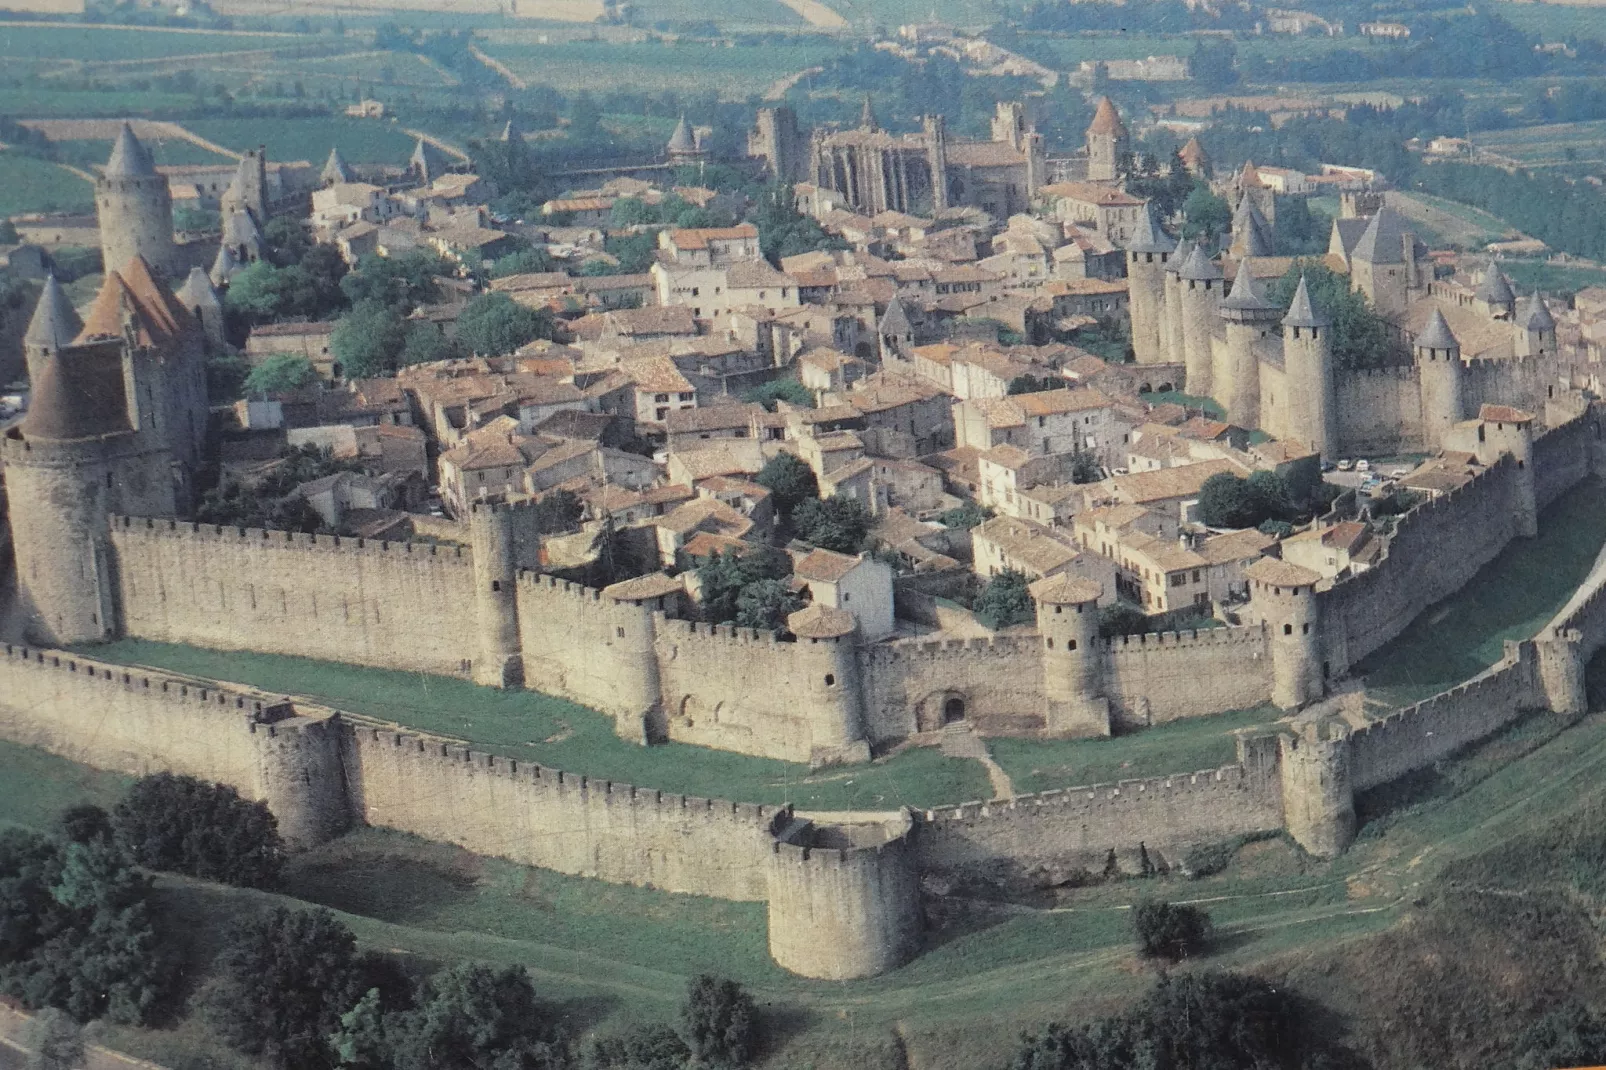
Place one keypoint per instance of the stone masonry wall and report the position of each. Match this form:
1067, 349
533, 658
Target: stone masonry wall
1170, 675
1379, 410
1564, 456
907, 683
393, 605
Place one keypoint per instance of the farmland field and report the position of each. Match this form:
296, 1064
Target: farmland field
1549, 146
1442, 222
1555, 22
359, 140
735, 73
91, 43
33, 101
89, 154
750, 14
30, 185
1557, 280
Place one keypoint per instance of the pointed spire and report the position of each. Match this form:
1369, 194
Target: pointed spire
197, 291
1106, 120
55, 322
512, 130
1193, 157
1199, 266
1179, 256
1251, 236
1383, 240
683, 141
1249, 178
1147, 237
1437, 334
1495, 289
129, 158
867, 120
335, 170
1534, 316
1246, 296
1301, 312
224, 267
895, 321
426, 161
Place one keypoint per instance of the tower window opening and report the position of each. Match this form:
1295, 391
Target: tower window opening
830, 679
1288, 629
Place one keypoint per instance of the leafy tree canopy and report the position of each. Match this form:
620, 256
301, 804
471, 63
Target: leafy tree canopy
1005, 600
280, 373
789, 480
494, 325
368, 341
185, 825
1360, 336
1225, 501
836, 523
788, 390
719, 1022
1207, 215
1169, 930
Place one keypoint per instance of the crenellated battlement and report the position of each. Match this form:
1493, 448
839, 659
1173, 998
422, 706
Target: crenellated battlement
1249, 634
894, 651
1031, 807
153, 527
677, 630
1399, 373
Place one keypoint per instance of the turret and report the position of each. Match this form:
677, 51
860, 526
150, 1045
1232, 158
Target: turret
1250, 318
935, 128
249, 191
682, 145
1171, 315
300, 774
1201, 284
1494, 296
55, 324
426, 163
1073, 662
224, 267
1505, 430
1318, 794
1107, 143
1379, 267
335, 170
1253, 188
1195, 159
1283, 600
896, 333
1439, 371
1536, 328
241, 237
1251, 233
500, 661
134, 208
828, 690
1146, 257
201, 299
1308, 365
638, 690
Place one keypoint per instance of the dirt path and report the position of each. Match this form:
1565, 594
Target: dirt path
499, 67
449, 149
817, 14
781, 86
961, 741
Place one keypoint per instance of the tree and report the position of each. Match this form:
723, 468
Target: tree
404, 282
54, 1040
1169, 930
1122, 618
1032, 384
528, 261
789, 480
724, 577
1567, 1036
475, 1017
1360, 337
1206, 215
360, 1042
784, 231
788, 390
1085, 468
85, 823
653, 1046
279, 374
1005, 600
1214, 63
425, 343
206, 830
368, 340
965, 517
765, 604
836, 523
718, 1022
8, 232
558, 512
494, 325
281, 985
1225, 501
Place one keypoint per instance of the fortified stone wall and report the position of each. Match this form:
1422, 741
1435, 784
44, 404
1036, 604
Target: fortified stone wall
1521, 382
1379, 410
559, 821
1566, 455
1170, 675
586, 647
393, 605
908, 685
1420, 735
1079, 826
1436, 549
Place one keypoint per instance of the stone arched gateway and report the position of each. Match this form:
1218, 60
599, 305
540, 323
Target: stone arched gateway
940, 709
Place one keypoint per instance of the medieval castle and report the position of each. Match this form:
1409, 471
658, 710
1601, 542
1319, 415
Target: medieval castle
101, 468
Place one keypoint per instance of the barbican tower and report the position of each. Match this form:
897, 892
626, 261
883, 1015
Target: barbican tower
134, 208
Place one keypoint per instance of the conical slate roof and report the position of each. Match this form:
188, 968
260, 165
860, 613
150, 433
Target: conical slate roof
682, 140
1534, 316
1495, 289
1249, 178
895, 321
1147, 237
1246, 296
1301, 312
335, 169
1106, 120
427, 160
1250, 234
1437, 334
1179, 256
197, 292
1199, 266
224, 267
1383, 240
129, 158
55, 322
240, 229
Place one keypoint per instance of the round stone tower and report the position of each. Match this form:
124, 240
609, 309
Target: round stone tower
844, 899
501, 657
300, 774
1107, 143
1146, 257
1536, 328
1318, 795
1505, 430
134, 208
1171, 316
1283, 600
827, 667
1201, 283
1073, 660
1308, 364
1438, 371
1250, 319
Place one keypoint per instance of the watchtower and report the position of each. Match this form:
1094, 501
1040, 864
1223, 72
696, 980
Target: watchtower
1308, 364
1439, 372
1283, 599
1147, 255
134, 208
501, 655
828, 668
1108, 143
1250, 319
1200, 284
1073, 662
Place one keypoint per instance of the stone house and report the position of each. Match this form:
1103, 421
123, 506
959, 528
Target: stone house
857, 584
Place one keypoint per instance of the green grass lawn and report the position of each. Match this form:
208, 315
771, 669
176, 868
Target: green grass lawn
533, 727
652, 67
31, 185
1511, 598
1184, 746
1211, 406
1559, 280
359, 140
36, 786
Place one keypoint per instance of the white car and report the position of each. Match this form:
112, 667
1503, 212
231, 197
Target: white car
1363, 466
1345, 464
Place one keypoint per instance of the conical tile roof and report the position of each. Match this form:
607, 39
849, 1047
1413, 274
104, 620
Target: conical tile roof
335, 169
682, 140
129, 158
1106, 120
1302, 312
1437, 334
55, 322
1246, 295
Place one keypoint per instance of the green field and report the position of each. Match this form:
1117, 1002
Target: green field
33, 101
728, 16
1557, 280
533, 727
1554, 22
1512, 598
652, 67
359, 140
31, 185
91, 43
1557, 145
89, 154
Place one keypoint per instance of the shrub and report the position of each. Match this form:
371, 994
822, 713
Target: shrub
206, 830
835, 523
1208, 859
1005, 600
85, 823
1169, 930
789, 480
1122, 618
279, 373
718, 1022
